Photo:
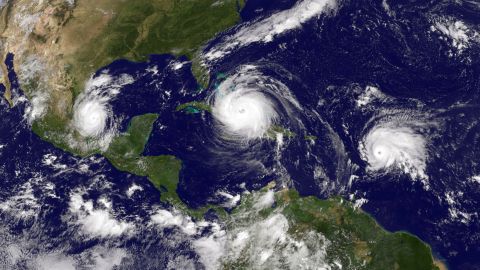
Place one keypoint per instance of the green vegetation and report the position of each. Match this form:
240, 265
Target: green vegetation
200, 72
310, 138
194, 107
132, 143
125, 153
143, 27
100, 32
276, 129
354, 239
355, 234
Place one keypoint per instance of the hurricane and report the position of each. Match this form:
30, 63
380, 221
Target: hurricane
189, 134
245, 112
247, 104
93, 117
392, 145
250, 122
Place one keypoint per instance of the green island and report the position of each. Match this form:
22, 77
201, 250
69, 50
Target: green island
75, 41
274, 130
310, 138
355, 240
194, 107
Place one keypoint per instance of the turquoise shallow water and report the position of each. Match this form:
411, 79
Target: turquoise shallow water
326, 65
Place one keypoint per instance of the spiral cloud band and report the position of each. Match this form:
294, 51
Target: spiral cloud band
92, 116
245, 112
246, 104
388, 147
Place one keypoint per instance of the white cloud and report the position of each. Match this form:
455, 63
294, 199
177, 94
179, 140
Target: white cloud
54, 262
13, 252
359, 203
93, 117
267, 29
247, 103
107, 259
457, 32
266, 243
50, 160
475, 178
371, 93
165, 218
71, 3
240, 240
395, 145
232, 200
265, 201
30, 252
181, 262
38, 106
26, 22
132, 189
211, 248
22, 205
96, 222
261, 242
176, 65
33, 69
245, 113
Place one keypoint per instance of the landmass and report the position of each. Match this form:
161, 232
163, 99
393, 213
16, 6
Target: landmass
274, 130
194, 107
351, 237
125, 153
341, 234
59, 44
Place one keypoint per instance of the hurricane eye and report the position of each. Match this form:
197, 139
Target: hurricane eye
408, 150
245, 108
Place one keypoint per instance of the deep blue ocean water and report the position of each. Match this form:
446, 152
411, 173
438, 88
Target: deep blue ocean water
23, 165
325, 64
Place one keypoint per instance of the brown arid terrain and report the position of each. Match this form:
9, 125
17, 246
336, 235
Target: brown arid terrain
32, 33
59, 44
